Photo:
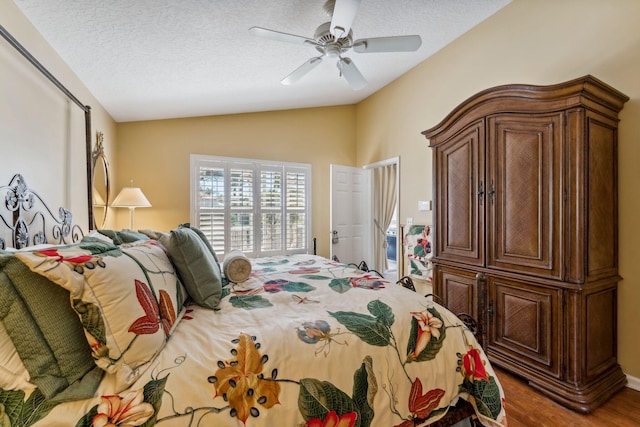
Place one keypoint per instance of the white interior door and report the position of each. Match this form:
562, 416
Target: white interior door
350, 214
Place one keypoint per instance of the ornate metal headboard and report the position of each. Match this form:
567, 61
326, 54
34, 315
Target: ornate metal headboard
27, 218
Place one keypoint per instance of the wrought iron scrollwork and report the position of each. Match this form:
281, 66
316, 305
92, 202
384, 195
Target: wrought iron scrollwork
19, 196
406, 282
472, 324
364, 267
27, 218
21, 234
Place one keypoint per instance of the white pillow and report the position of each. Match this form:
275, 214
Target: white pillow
98, 235
31, 248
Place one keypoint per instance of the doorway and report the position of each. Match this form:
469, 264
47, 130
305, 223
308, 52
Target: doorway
385, 180
364, 211
393, 241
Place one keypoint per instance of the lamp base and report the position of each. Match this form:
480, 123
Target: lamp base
131, 217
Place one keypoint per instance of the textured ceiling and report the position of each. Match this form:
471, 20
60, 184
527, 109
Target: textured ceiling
154, 59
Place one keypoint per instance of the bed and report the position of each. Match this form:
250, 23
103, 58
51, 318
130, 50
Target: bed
124, 328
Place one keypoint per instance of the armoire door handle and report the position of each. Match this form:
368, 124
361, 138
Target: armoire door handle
491, 192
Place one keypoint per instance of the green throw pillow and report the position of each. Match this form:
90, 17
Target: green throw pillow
196, 265
203, 238
46, 332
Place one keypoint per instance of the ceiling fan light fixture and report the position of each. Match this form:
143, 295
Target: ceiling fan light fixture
333, 51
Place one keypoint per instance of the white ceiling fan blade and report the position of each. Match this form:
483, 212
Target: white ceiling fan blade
344, 13
279, 36
388, 44
301, 71
351, 73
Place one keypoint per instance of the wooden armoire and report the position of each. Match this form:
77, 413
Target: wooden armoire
526, 231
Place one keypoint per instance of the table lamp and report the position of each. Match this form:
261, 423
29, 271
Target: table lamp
132, 198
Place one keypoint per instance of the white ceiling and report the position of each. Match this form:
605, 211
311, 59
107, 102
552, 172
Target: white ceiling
155, 59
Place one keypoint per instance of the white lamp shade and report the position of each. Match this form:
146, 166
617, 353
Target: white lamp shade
131, 197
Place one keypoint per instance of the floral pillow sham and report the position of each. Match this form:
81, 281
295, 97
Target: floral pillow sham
129, 300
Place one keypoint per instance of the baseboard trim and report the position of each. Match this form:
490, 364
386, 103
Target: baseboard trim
633, 382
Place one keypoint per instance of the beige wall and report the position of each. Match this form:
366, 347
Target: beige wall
534, 42
155, 154
42, 133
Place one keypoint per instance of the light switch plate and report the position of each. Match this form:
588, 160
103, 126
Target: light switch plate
409, 220
424, 205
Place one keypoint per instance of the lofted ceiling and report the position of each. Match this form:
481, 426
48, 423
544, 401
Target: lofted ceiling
156, 59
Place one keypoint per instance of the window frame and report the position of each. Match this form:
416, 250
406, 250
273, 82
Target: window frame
197, 161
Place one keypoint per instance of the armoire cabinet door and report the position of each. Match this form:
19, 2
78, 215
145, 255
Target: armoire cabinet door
525, 321
460, 196
458, 290
524, 176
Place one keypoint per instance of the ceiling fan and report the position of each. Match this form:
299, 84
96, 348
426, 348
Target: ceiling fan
333, 39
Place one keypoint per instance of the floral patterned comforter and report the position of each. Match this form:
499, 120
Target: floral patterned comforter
304, 342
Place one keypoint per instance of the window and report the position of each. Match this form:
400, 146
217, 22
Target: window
260, 207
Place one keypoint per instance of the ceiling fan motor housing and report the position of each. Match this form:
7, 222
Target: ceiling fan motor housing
328, 44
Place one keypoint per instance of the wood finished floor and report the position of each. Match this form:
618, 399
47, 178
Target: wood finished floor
525, 407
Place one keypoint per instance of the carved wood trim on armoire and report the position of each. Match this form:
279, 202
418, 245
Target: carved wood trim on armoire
526, 219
